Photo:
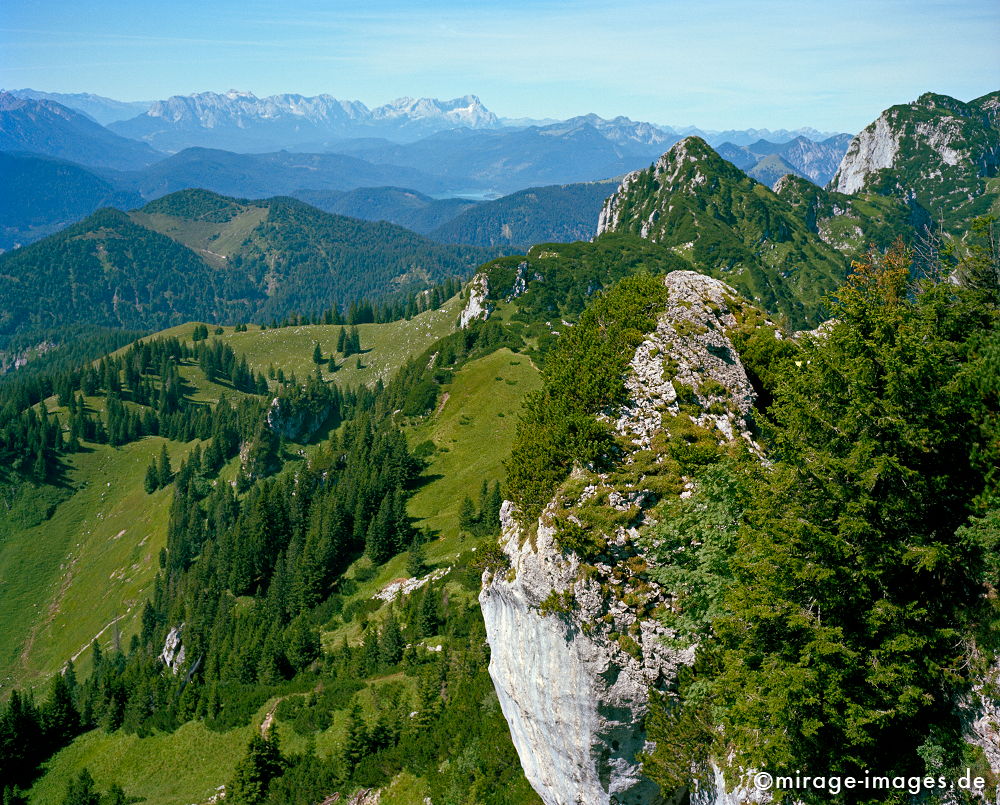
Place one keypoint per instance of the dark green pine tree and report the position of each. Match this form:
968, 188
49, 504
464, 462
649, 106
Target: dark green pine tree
428, 617
81, 790
59, 716
416, 563
355, 745
152, 481
261, 764
391, 642
467, 520
164, 472
341, 341
317, 354
379, 539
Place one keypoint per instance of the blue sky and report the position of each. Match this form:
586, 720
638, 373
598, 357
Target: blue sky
713, 63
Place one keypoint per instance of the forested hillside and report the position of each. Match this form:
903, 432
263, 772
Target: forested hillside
197, 255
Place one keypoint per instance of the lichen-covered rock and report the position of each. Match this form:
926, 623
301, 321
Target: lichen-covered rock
691, 337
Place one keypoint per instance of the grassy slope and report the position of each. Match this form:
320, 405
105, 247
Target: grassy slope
480, 412
215, 242
189, 764
93, 560
183, 767
477, 441
386, 346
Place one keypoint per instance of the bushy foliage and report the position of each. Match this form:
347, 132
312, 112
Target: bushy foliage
839, 593
582, 376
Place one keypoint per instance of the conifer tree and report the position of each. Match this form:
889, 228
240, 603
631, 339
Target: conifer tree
261, 764
81, 790
59, 717
163, 470
355, 745
416, 563
391, 643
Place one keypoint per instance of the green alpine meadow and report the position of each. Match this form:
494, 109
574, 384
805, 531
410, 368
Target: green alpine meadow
430, 452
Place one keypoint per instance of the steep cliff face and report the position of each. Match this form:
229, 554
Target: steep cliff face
936, 151
574, 701
575, 646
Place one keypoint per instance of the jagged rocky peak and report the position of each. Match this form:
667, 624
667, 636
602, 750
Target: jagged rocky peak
465, 111
239, 107
575, 644
689, 164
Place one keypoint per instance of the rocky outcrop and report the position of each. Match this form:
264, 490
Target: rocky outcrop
571, 660
399, 587
173, 654
295, 421
979, 711
478, 306
691, 335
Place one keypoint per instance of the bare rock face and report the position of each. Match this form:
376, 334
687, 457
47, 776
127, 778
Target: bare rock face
173, 654
571, 661
873, 149
608, 220
478, 306
980, 714
574, 702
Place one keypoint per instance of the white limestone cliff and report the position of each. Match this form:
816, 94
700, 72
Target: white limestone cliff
871, 150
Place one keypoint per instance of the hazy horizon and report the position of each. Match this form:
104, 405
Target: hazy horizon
717, 65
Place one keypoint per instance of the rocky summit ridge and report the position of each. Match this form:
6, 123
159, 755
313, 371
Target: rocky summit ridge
711, 214
574, 644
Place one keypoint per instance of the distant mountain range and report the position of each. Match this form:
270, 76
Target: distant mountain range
323, 150
96, 107
785, 246
46, 127
768, 161
241, 121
